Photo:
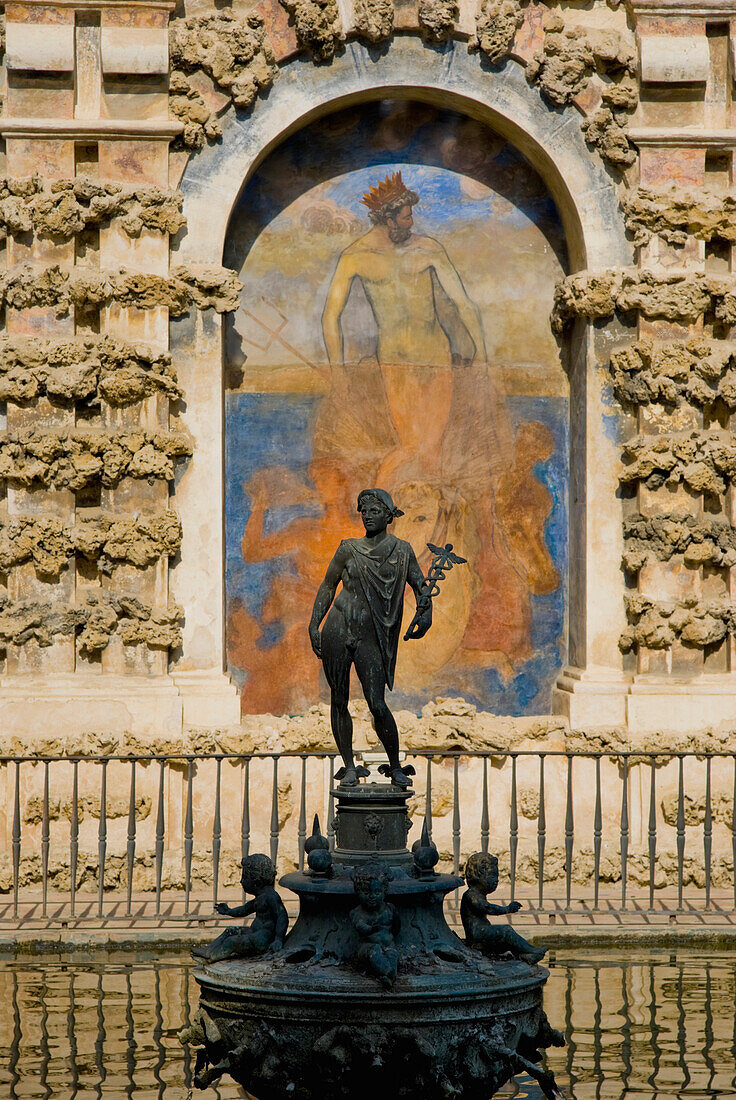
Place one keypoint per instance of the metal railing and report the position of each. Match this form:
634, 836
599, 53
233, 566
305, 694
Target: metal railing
119, 836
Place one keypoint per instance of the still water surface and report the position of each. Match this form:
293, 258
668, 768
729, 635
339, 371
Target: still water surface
639, 1024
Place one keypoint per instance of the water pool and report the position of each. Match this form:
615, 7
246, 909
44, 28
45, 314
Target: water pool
639, 1023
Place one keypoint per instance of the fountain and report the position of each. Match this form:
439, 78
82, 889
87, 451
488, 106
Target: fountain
371, 993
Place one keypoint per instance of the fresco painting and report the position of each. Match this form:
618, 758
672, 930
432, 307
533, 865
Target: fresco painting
414, 354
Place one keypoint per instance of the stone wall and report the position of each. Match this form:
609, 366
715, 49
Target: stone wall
124, 122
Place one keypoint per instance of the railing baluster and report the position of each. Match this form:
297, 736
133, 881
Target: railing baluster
45, 838
245, 818
216, 832
160, 826
428, 797
652, 826
456, 816
102, 839
17, 834
74, 838
275, 812
569, 834
541, 832
680, 831
707, 833
302, 826
597, 833
188, 836
624, 828
131, 838
484, 817
513, 828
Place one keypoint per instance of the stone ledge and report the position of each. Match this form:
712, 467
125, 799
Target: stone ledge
90, 129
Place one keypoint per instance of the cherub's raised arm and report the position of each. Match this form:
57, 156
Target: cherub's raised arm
243, 910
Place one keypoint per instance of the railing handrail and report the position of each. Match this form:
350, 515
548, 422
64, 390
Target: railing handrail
297, 754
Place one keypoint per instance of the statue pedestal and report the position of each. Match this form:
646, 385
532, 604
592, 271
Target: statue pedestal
372, 823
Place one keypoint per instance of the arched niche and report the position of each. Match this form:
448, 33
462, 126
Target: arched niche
586, 198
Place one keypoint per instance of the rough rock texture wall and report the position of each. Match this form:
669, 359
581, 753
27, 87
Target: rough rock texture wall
106, 540
374, 20
671, 296
318, 26
65, 207
496, 24
697, 371
234, 53
577, 63
84, 369
178, 292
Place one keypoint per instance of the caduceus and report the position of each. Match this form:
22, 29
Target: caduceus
443, 559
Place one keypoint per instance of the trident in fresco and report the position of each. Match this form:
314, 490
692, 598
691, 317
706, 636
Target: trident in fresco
442, 562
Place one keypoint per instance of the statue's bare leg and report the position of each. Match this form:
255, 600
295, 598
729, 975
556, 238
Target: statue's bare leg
336, 661
369, 666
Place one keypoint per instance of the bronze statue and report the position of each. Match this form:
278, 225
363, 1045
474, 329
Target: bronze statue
481, 876
271, 922
363, 627
376, 923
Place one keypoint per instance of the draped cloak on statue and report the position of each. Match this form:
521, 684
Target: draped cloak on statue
382, 571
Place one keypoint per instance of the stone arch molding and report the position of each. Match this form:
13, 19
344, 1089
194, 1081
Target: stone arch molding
551, 139
588, 201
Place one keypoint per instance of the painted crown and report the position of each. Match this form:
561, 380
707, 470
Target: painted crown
386, 191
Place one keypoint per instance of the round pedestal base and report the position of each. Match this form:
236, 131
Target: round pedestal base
372, 823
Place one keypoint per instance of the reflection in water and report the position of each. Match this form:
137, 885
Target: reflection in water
646, 1023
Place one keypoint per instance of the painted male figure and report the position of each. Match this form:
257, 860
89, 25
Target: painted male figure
414, 290
363, 626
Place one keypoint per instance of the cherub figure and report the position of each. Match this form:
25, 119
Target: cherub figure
481, 876
376, 922
267, 930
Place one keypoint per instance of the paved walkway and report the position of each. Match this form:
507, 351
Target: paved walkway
554, 924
